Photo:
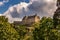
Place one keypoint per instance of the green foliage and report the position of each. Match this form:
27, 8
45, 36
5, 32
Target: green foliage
44, 30
21, 29
56, 16
6, 31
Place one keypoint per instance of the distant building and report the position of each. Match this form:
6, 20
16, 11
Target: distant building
28, 20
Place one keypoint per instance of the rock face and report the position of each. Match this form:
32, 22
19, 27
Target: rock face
56, 16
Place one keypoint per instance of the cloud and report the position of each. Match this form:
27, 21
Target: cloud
4, 1
16, 12
1, 3
1, 15
41, 7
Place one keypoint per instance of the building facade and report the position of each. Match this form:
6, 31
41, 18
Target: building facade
27, 20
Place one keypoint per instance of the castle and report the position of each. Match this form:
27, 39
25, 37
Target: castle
28, 20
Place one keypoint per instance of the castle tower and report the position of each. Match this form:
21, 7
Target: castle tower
56, 16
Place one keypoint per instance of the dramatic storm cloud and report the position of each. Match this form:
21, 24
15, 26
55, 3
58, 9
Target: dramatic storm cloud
41, 7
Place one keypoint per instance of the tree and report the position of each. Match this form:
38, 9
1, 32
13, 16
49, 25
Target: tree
6, 31
56, 16
46, 30
21, 29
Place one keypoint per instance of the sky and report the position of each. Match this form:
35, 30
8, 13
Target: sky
15, 10
5, 4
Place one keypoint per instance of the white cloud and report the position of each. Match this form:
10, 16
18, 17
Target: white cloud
4, 1
15, 12
41, 7
1, 3
1, 14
